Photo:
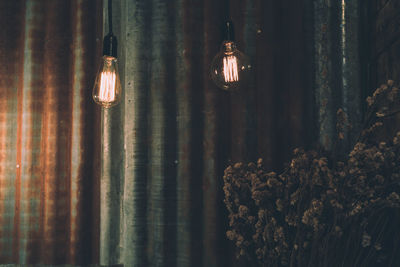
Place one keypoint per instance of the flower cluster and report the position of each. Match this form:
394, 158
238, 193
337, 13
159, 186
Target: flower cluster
309, 214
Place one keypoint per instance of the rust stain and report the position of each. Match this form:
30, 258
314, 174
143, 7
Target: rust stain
8, 96
74, 170
17, 196
16, 229
37, 92
30, 169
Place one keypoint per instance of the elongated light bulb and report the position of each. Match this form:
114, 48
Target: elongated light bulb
107, 88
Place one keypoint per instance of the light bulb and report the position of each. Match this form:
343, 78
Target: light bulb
229, 67
107, 87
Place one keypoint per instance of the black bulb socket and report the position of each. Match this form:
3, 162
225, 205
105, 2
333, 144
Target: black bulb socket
229, 31
110, 45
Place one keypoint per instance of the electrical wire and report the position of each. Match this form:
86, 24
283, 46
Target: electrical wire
110, 16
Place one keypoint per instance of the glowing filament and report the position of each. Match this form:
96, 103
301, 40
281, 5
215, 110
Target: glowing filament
107, 86
231, 69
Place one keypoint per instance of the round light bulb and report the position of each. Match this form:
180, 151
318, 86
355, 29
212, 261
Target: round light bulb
107, 87
230, 67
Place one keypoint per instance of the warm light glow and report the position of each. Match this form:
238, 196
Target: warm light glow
229, 68
231, 73
107, 86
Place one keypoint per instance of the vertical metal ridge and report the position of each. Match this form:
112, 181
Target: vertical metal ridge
309, 86
93, 114
185, 18
170, 136
137, 81
157, 128
31, 135
76, 141
44, 187
194, 26
265, 72
107, 247
238, 99
210, 163
250, 37
57, 132
85, 197
17, 182
323, 73
112, 162
77, 147
295, 121
349, 13
337, 75
281, 82
89, 185
110, 193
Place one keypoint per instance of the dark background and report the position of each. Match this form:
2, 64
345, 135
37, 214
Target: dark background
382, 24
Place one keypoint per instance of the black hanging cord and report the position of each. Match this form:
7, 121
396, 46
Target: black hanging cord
110, 41
228, 33
109, 16
226, 10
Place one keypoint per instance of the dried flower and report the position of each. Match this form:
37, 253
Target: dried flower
366, 240
297, 217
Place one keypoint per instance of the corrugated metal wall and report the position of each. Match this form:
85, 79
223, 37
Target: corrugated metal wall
384, 48
337, 68
160, 155
167, 144
48, 186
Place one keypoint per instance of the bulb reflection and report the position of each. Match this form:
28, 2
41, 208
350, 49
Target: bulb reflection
230, 69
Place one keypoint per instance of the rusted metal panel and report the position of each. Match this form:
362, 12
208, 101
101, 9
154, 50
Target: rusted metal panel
28, 149
55, 134
44, 133
163, 150
12, 42
84, 198
181, 131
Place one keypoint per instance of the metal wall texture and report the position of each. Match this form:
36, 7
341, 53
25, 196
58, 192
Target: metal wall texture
166, 146
49, 178
141, 184
383, 50
337, 68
